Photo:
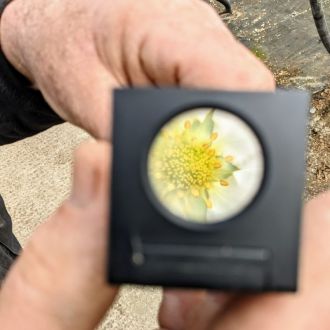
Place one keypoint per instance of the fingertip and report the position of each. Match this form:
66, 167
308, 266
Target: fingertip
170, 315
90, 171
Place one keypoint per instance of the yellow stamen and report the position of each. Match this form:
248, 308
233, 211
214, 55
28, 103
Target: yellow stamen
229, 158
187, 124
214, 136
208, 185
217, 164
211, 152
187, 165
224, 183
209, 204
195, 192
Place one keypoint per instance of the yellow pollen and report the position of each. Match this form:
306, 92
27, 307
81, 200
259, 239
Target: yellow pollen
187, 124
208, 185
217, 164
195, 192
209, 204
212, 152
229, 158
186, 165
214, 136
224, 183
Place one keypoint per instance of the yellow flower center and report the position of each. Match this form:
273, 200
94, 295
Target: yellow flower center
187, 167
188, 164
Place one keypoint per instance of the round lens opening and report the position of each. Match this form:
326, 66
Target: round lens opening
205, 165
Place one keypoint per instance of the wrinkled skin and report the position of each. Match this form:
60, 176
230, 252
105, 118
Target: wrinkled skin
76, 52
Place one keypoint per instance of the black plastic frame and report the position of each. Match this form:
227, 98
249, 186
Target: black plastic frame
146, 248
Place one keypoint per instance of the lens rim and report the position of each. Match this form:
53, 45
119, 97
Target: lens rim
162, 209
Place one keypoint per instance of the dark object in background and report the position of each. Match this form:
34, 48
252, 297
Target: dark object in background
257, 249
23, 110
227, 5
9, 246
321, 23
318, 15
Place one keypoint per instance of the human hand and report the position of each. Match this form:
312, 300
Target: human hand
76, 52
307, 309
59, 281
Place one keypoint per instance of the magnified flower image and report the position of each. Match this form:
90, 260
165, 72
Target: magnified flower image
205, 165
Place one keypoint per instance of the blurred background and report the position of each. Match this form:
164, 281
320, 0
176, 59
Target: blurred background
36, 173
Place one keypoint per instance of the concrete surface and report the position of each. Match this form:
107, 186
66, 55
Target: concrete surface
35, 178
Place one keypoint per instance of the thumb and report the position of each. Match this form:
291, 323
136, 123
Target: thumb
91, 174
193, 310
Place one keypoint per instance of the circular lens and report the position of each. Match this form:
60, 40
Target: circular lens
205, 165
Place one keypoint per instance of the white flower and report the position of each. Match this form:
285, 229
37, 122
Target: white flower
205, 165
